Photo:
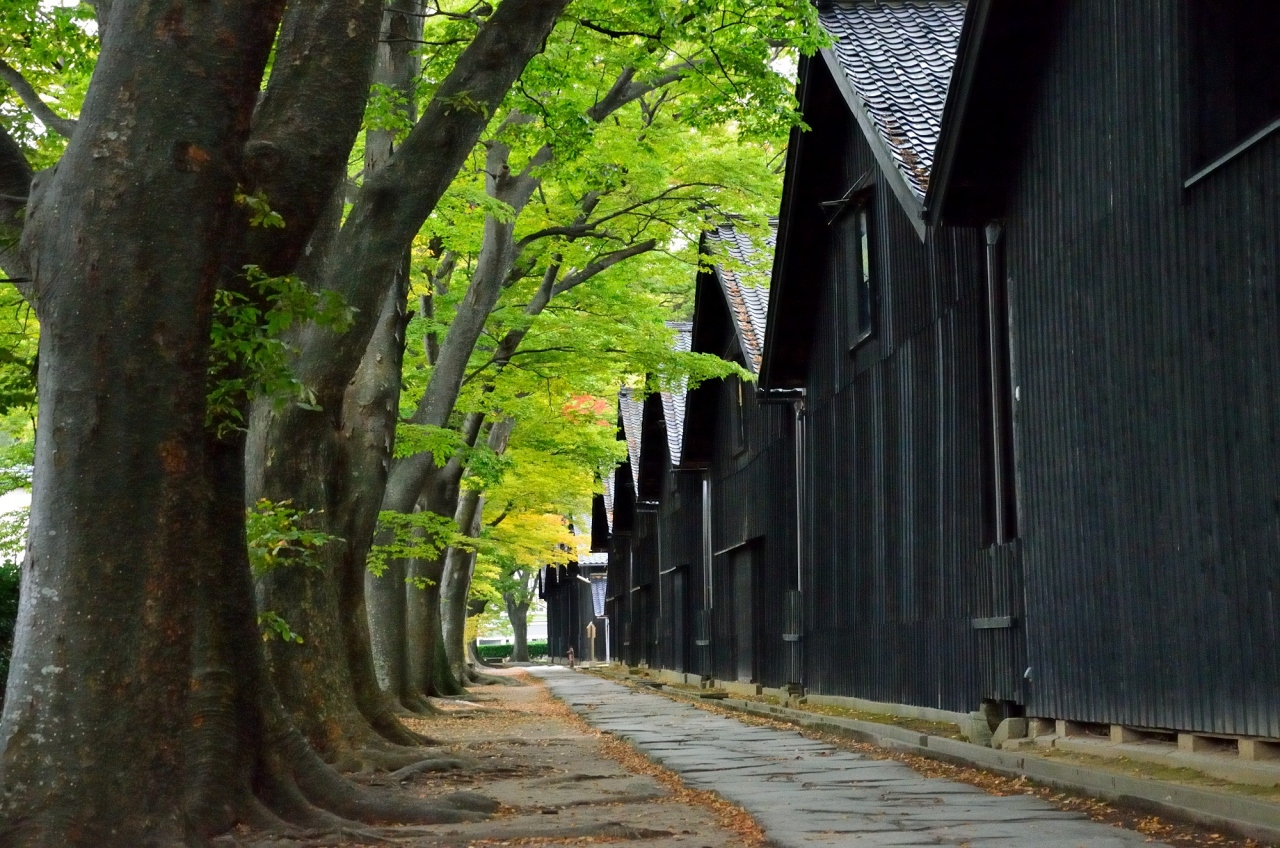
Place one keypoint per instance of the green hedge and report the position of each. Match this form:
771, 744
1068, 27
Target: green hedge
501, 652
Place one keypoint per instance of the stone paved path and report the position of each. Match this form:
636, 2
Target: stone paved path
807, 793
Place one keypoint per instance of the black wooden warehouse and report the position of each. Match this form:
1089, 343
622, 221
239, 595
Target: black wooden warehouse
1023, 342
745, 452
1137, 182
883, 324
703, 549
574, 595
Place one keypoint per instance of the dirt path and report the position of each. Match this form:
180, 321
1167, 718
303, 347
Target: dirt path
560, 782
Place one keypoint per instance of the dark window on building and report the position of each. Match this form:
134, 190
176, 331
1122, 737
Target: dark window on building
1236, 77
737, 420
853, 270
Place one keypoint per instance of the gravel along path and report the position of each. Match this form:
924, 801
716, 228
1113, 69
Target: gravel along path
560, 783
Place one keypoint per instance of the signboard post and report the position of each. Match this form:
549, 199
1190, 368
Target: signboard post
591, 640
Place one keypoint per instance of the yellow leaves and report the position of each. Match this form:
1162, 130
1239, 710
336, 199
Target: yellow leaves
531, 540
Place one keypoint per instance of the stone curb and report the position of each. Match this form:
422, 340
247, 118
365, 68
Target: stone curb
1242, 816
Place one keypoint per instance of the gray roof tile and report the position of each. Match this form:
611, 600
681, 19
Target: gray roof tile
631, 412
746, 290
898, 56
608, 498
673, 401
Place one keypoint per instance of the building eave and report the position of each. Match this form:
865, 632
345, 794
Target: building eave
911, 203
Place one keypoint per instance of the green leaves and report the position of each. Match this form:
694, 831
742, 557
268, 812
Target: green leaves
277, 537
418, 535
272, 625
54, 47
386, 110
260, 212
441, 442
248, 353
19, 342
13, 539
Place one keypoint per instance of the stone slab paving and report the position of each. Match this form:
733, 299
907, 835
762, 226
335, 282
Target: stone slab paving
807, 793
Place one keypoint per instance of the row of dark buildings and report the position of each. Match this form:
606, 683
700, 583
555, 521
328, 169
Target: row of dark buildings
1014, 431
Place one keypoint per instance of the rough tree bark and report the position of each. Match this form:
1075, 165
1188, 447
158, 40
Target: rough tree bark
361, 262
123, 242
247, 761
95, 732
303, 132
411, 477
518, 615
397, 68
460, 564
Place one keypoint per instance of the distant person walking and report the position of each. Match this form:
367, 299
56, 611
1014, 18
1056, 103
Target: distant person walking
570, 653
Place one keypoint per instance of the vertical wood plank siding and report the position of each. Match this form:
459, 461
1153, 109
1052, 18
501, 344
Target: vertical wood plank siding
1144, 324
569, 611
680, 541
898, 571
1145, 334
753, 503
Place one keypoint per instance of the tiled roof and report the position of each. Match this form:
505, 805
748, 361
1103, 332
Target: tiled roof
898, 56
673, 401
608, 498
631, 412
599, 584
582, 542
748, 298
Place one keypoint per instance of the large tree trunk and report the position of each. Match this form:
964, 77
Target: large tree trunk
123, 241
372, 404
460, 564
247, 761
518, 615
363, 259
328, 681
406, 620
405, 616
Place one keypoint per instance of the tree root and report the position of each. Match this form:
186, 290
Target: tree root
372, 761
416, 705
435, 764
389, 727
490, 679
323, 786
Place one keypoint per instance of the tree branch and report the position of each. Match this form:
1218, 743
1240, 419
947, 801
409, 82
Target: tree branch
506, 510
582, 229
15, 185
626, 90
601, 265
41, 110
393, 204
507, 349
618, 33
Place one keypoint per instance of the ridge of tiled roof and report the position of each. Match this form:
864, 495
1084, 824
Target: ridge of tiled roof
631, 412
898, 56
748, 302
608, 499
673, 401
